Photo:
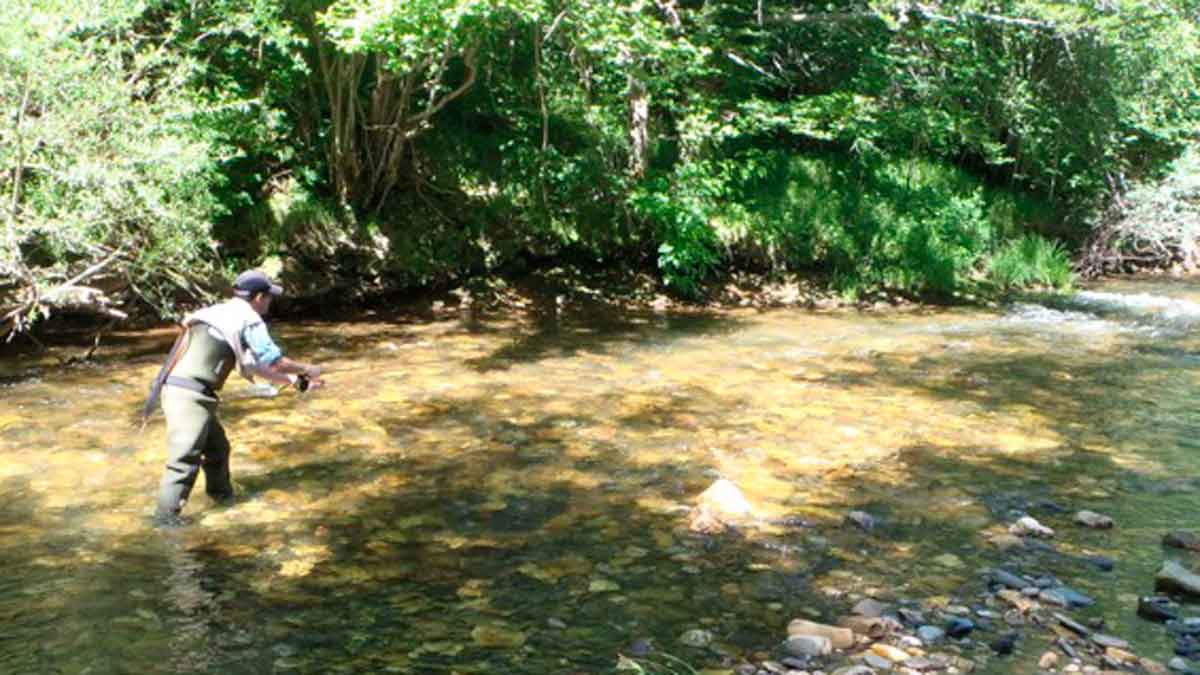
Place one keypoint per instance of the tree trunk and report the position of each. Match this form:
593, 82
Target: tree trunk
639, 123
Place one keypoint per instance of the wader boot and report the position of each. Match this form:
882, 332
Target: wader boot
195, 438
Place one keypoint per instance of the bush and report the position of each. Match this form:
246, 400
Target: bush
1030, 260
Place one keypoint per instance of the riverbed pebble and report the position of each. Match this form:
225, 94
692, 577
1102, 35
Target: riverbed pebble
930, 634
1182, 539
862, 520
870, 607
1029, 526
808, 645
1093, 520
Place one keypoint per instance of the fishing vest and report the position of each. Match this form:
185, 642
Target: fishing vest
228, 320
207, 359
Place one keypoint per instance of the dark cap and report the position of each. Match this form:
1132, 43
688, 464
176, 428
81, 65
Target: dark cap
251, 282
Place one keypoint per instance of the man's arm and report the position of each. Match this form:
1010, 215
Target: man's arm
273, 365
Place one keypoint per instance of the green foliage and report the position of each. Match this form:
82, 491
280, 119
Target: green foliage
1030, 260
103, 158
885, 144
908, 226
688, 248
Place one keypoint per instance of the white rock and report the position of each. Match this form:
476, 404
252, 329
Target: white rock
725, 501
1028, 526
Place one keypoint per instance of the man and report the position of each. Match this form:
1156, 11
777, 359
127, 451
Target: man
214, 340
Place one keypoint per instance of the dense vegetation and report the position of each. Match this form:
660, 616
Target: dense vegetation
150, 147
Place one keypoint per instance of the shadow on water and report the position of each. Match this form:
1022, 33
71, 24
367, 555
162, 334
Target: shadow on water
558, 338
519, 549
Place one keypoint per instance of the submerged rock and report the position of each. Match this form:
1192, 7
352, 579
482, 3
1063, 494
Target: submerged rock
892, 654
1093, 519
719, 507
1065, 596
1156, 608
1005, 541
808, 645
863, 520
1030, 527
1008, 579
696, 637
840, 637
959, 627
1173, 577
726, 501
641, 648
870, 607
1182, 539
872, 626
930, 634
1005, 644
1109, 641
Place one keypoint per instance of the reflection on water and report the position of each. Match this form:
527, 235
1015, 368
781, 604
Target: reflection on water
485, 495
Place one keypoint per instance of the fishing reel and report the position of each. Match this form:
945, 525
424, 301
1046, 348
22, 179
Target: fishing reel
302, 382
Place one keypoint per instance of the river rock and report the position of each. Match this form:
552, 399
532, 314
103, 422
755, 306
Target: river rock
1120, 655
877, 662
1065, 596
1182, 539
1173, 577
1156, 608
1109, 641
703, 521
873, 627
1030, 527
1018, 600
841, 637
1176, 663
641, 648
854, 670
948, 560
1151, 665
870, 607
930, 634
1005, 644
1094, 520
1005, 541
1072, 624
1048, 661
1005, 578
696, 637
862, 520
725, 500
959, 628
808, 645
893, 654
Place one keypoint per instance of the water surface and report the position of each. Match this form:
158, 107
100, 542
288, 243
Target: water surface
488, 495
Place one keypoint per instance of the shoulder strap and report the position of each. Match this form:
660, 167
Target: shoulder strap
177, 350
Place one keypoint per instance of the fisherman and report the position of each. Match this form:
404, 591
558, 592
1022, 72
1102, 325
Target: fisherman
213, 341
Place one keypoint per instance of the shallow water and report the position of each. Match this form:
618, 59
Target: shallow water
502, 496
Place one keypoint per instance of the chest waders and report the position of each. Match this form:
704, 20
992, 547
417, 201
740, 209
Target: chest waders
187, 385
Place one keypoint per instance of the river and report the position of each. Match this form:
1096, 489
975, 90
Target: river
496, 495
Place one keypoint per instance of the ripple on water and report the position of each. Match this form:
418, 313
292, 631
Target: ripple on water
434, 512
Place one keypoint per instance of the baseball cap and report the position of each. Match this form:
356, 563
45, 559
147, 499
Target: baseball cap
253, 281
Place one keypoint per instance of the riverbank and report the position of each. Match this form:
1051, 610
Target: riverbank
540, 295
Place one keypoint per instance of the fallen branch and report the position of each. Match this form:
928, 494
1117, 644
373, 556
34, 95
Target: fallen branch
67, 295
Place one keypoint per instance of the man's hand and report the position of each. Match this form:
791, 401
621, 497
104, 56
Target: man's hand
313, 374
